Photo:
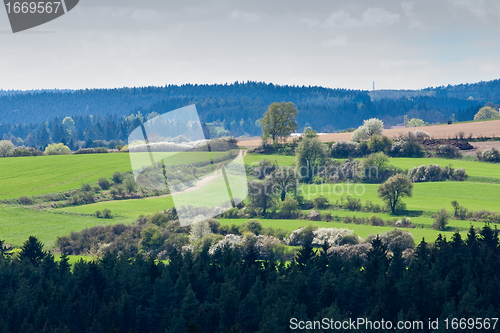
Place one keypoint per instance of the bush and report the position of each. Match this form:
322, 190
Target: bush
26, 151
314, 215
407, 149
24, 200
6, 148
491, 155
448, 151
98, 214
130, 185
106, 213
321, 202
253, 226
289, 207
86, 187
435, 173
352, 204
380, 143
118, 177
393, 239
343, 149
376, 167
370, 127
104, 183
441, 220
335, 237
57, 149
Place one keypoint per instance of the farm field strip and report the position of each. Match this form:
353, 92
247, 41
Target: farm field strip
20, 223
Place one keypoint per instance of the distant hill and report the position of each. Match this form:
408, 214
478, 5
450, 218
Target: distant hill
238, 106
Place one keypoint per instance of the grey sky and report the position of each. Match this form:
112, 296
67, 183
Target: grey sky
338, 44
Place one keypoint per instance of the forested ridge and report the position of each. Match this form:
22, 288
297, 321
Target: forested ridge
231, 291
237, 107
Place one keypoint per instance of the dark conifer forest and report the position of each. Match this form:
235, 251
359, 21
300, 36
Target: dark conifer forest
234, 109
231, 291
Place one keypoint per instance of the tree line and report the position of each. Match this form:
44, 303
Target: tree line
236, 108
231, 291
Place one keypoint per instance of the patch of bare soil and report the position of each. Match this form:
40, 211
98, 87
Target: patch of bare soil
476, 130
482, 146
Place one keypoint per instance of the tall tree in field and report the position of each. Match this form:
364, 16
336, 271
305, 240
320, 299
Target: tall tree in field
279, 121
394, 189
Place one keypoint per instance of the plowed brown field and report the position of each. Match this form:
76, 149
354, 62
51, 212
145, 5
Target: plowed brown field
479, 129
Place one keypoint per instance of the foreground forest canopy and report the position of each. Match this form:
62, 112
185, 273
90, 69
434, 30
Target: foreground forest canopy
231, 291
235, 107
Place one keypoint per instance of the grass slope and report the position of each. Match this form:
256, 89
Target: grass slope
474, 169
20, 223
49, 174
427, 197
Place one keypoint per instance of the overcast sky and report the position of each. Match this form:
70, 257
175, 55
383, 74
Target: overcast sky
331, 43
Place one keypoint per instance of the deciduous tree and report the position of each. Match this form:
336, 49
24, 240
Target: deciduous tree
395, 188
279, 121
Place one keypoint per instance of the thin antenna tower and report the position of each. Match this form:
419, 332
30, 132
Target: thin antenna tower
373, 85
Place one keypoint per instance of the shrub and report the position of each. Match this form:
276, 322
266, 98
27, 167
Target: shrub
130, 185
376, 167
320, 202
98, 214
448, 151
491, 155
106, 213
289, 207
104, 183
407, 149
314, 215
343, 149
198, 230
57, 149
352, 204
376, 221
301, 236
393, 239
460, 175
6, 148
441, 220
86, 187
26, 151
434, 173
24, 200
118, 177
214, 225
370, 127
335, 237
254, 226
380, 143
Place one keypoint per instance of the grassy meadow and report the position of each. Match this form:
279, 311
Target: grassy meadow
48, 174
18, 223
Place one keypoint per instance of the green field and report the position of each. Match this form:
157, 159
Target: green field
20, 223
427, 197
474, 169
127, 211
283, 160
49, 174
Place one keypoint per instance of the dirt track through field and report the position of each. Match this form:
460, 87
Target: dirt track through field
479, 129
204, 181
